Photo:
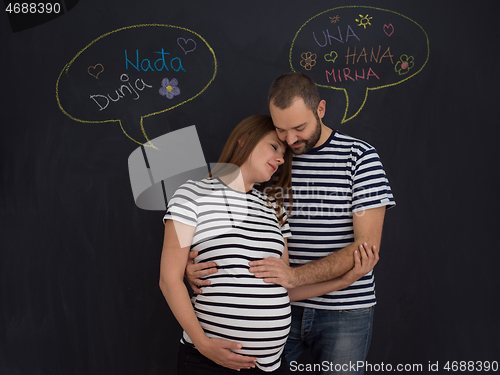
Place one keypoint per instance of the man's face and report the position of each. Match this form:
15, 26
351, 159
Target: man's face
297, 125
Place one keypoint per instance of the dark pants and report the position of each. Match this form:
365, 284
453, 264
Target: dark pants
191, 362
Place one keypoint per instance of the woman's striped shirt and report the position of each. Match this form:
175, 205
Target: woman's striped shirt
330, 184
232, 229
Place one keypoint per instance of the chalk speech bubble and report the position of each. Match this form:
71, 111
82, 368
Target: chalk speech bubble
357, 49
133, 73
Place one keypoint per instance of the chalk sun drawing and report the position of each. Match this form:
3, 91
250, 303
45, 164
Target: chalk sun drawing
364, 21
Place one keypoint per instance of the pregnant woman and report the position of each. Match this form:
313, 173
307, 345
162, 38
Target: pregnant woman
232, 218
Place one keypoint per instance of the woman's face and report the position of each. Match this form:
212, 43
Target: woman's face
265, 159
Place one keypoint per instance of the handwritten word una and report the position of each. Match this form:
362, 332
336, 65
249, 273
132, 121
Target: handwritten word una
103, 100
328, 38
159, 64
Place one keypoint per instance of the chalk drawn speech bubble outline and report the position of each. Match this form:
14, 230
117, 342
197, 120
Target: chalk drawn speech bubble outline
148, 143
344, 119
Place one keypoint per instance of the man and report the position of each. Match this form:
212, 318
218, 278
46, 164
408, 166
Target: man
340, 194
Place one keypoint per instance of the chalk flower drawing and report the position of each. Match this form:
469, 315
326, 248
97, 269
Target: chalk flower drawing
309, 60
404, 64
169, 88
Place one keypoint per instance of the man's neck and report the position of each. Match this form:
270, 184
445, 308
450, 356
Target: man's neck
326, 132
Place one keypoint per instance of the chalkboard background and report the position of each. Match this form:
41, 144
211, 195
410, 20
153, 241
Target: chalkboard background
80, 261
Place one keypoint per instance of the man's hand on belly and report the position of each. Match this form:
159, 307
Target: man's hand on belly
275, 271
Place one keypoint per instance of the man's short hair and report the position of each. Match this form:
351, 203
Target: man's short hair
287, 87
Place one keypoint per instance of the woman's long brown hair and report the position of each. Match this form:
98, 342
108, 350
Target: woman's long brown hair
238, 148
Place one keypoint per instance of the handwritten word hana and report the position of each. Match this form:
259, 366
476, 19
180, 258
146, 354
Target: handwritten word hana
364, 56
103, 100
159, 65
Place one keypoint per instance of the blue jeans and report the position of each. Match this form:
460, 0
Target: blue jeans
338, 339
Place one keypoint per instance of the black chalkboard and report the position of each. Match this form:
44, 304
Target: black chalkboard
85, 90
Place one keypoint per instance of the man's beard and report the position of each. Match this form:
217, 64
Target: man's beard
309, 143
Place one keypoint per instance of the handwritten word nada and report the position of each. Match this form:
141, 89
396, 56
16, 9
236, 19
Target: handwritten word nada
103, 100
158, 65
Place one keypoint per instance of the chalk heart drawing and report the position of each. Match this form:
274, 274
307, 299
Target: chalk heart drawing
388, 29
187, 46
332, 56
95, 70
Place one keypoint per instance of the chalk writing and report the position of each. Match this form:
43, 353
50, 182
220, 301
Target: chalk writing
103, 101
347, 74
364, 56
159, 64
97, 96
328, 38
368, 49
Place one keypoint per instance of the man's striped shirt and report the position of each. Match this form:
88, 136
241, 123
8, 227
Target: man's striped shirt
330, 184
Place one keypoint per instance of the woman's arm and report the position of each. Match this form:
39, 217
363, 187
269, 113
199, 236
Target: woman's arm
176, 246
364, 261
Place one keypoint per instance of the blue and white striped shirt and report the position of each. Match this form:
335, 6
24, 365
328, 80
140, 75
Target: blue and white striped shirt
330, 184
232, 229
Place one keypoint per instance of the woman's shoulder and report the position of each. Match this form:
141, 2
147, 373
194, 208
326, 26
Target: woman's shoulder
206, 184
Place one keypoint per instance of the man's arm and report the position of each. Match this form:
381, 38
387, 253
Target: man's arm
365, 260
367, 225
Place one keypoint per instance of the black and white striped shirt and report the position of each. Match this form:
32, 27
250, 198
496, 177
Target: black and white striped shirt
330, 184
232, 229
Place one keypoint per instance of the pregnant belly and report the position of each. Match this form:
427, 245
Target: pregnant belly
258, 319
